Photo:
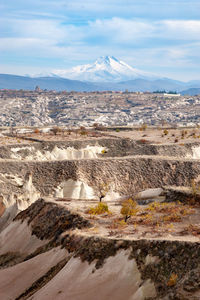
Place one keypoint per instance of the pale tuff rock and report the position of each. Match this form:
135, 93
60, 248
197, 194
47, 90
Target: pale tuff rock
151, 259
59, 154
17, 149
15, 203
8, 216
29, 194
24, 241
149, 193
11, 178
75, 190
25, 273
119, 277
196, 152
79, 190
111, 194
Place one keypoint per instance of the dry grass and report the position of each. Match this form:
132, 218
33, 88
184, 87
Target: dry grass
192, 229
159, 214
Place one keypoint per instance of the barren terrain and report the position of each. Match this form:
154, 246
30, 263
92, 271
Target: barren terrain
91, 214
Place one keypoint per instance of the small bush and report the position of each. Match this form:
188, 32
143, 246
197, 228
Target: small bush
36, 131
129, 208
56, 130
69, 131
83, 132
103, 151
95, 125
143, 127
143, 141
100, 209
165, 132
172, 280
183, 133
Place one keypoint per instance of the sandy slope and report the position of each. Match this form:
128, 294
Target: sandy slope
17, 237
15, 280
118, 279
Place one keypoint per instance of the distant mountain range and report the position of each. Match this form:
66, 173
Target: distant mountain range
191, 91
107, 73
49, 83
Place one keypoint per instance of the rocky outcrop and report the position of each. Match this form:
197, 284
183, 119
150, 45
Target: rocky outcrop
127, 175
49, 220
114, 148
182, 194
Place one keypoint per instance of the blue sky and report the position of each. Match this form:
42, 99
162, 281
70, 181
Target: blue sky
39, 36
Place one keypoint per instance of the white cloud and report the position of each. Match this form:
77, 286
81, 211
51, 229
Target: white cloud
120, 30
143, 44
114, 30
179, 29
130, 31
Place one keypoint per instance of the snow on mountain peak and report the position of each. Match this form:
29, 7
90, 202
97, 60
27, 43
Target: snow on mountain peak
104, 69
106, 60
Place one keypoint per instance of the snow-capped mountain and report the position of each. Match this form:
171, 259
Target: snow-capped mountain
104, 69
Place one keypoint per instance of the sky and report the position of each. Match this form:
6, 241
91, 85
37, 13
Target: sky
159, 36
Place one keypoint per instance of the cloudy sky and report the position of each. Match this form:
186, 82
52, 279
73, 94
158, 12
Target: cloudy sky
160, 36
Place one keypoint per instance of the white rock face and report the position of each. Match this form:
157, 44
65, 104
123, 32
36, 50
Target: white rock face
17, 149
60, 154
9, 201
29, 195
79, 190
111, 195
196, 152
75, 190
11, 178
8, 216
16, 203
149, 193
151, 259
